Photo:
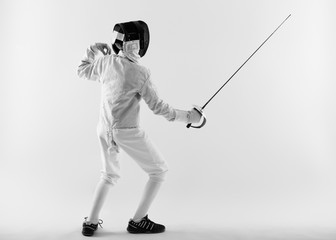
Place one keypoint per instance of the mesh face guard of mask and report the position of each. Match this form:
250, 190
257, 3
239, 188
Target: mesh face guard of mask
130, 32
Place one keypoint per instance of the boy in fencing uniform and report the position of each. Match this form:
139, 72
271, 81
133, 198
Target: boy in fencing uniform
124, 83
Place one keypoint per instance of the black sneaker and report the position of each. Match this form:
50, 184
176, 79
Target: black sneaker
90, 228
145, 226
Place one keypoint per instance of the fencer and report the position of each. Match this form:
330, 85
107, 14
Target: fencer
124, 83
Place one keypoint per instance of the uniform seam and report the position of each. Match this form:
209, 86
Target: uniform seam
144, 84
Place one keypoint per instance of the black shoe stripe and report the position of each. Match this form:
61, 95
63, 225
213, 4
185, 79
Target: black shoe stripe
130, 224
90, 227
142, 226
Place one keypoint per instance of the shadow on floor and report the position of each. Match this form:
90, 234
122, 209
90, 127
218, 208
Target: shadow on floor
211, 234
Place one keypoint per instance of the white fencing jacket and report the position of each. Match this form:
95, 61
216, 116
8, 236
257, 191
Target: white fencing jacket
124, 84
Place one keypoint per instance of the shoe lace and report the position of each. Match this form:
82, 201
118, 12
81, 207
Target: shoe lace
149, 221
100, 222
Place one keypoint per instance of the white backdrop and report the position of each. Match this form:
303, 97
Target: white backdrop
265, 160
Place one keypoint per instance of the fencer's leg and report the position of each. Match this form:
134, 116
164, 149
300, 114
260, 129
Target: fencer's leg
138, 146
151, 190
110, 173
100, 194
107, 180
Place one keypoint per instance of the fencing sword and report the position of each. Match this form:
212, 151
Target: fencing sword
200, 109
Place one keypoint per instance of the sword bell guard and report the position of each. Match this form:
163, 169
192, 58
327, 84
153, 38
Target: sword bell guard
203, 118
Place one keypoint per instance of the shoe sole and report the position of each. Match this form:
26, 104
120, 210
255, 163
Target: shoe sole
132, 231
87, 234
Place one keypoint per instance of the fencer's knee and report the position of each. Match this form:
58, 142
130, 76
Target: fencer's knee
109, 178
158, 176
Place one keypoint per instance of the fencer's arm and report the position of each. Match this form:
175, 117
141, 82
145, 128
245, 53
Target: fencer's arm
93, 65
191, 116
158, 106
154, 102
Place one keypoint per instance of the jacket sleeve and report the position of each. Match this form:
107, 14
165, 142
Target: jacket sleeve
92, 66
157, 105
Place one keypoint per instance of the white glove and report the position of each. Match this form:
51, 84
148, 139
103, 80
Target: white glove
192, 116
195, 116
104, 48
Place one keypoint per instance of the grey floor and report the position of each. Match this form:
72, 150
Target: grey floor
186, 232
183, 222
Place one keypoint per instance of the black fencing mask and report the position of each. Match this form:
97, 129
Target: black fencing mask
131, 31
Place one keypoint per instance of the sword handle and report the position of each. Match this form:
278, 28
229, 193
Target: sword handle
200, 111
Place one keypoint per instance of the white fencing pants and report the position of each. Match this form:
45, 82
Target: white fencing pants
137, 145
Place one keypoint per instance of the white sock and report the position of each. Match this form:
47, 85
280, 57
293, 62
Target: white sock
98, 201
150, 192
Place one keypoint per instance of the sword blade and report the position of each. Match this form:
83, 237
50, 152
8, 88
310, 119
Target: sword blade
245, 62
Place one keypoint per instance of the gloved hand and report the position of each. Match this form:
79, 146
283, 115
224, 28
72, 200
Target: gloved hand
195, 116
192, 116
104, 48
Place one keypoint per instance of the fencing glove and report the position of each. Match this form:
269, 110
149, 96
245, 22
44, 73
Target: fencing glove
104, 48
191, 116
